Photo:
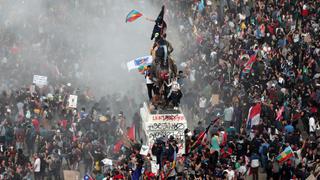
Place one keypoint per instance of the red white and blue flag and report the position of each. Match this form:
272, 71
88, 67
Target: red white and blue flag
254, 116
248, 65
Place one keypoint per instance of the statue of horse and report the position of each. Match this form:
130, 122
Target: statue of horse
164, 66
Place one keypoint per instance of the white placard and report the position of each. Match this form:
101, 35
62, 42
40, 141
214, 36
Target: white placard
107, 161
40, 80
72, 101
154, 167
144, 150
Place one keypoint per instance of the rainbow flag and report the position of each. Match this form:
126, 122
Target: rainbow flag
285, 155
133, 15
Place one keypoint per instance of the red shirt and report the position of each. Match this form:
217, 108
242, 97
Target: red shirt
36, 124
225, 153
118, 176
63, 123
304, 12
149, 175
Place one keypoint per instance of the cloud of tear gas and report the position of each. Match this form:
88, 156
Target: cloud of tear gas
82, 42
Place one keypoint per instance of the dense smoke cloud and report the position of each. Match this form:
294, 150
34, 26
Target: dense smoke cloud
83, 42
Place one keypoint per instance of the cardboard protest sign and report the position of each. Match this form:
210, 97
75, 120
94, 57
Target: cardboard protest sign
71, 175
72, 101
144, 150
40, 80
311, 177
215, 99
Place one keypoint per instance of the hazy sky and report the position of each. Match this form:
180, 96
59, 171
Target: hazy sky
90, 36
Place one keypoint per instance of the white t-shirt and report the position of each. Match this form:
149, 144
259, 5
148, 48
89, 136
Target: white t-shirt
230, 174
228, 113
296, 38
312, 124
242, 169
175, 86
192, 75
202, 102
255, 163
36, 165
148, 80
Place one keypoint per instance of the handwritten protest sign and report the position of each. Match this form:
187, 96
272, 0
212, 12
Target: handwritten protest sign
215, 99
168, 117
165, 128
40, 80
157, 126
144, 150
72, 101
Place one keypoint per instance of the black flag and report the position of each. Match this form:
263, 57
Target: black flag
160, 25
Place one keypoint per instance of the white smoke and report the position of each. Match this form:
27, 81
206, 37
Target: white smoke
88, 41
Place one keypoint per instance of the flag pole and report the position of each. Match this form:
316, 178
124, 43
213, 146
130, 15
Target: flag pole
202, 135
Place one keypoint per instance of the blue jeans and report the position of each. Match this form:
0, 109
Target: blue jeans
264, 161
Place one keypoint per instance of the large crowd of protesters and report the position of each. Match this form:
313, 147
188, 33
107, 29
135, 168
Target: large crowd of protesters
40, 136
218, 43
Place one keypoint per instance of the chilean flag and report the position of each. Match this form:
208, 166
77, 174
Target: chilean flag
117, 146
279, 114
254, 115
248, 65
